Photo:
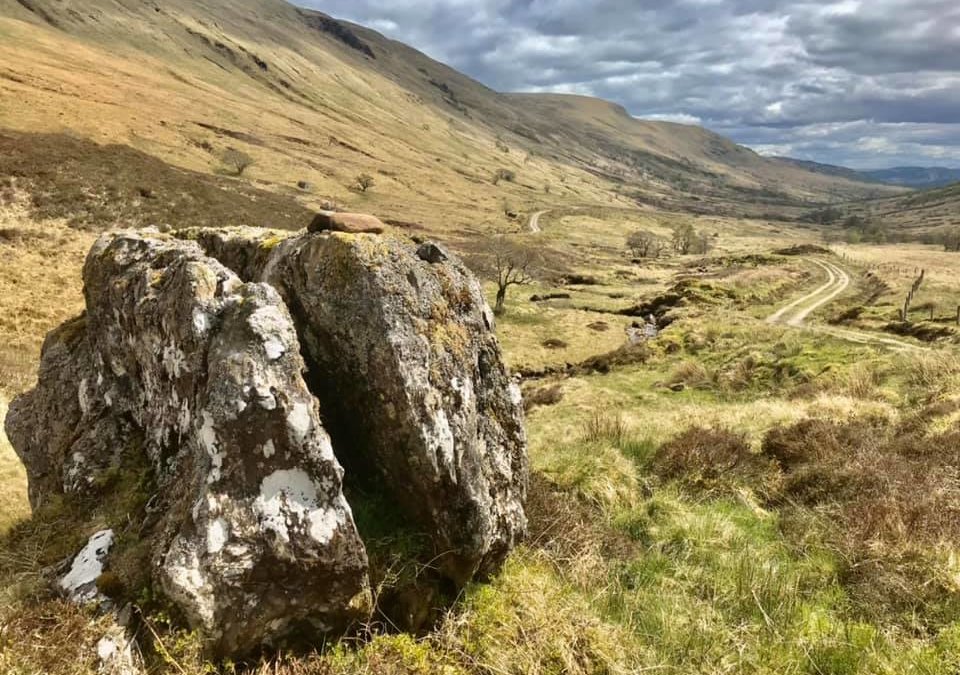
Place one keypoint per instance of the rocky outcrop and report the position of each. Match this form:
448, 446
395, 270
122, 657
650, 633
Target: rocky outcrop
188, 361
198, 374
408, 370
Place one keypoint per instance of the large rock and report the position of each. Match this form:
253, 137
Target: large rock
194, 371
404, 360
201, 374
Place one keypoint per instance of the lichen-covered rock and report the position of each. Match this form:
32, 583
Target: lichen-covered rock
190, 368
118, 652
42, 424
180, 362
244, 250
404, 360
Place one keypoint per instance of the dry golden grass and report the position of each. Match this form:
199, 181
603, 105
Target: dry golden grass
13, 481
40, 287
897, 266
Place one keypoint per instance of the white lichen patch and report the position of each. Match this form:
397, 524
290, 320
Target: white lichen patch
441, 442
288, 499
273, 329
83, 398
516, 396
299, 420
107, 649
201, 322
183, 417
174, 360
74, 472
80, 583
218, 532
185, 581
269, 450
208, 437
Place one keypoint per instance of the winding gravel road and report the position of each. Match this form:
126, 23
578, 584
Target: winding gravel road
795, 313
534, 224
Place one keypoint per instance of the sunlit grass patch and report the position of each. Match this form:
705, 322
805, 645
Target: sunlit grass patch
13, 481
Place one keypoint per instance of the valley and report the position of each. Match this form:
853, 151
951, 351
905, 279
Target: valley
766, 485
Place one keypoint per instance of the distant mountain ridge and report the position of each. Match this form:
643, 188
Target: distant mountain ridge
920, 177
915, 176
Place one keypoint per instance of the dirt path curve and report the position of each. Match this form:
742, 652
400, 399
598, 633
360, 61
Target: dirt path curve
534, 224
838, 280
778, 315
841, 283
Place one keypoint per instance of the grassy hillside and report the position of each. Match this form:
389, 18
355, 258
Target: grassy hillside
320, 101
936, 210
684, 165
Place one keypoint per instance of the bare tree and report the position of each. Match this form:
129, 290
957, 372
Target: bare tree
702, 243
951, 240
683, 238
236, 161
644, 244
364, 182
686, 240
507, 262
514, 265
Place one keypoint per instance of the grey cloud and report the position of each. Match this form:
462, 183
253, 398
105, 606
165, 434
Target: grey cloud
774, 74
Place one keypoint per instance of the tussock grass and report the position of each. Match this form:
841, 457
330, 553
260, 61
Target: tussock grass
715, 461
595, 471
692, 374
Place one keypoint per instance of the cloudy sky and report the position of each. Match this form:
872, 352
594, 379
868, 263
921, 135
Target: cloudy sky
864, 83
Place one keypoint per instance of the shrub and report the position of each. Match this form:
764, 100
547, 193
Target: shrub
236, 161
364, 182
889, 499
715, 461
690, 373
544, 396
623, 356
644, 244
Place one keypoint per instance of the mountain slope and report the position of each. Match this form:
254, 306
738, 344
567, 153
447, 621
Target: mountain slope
935, 210
317, 100
826, 169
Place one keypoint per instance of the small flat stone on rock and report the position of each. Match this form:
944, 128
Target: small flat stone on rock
357, 223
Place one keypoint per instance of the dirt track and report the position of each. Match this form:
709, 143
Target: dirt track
534, 224
796, 312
